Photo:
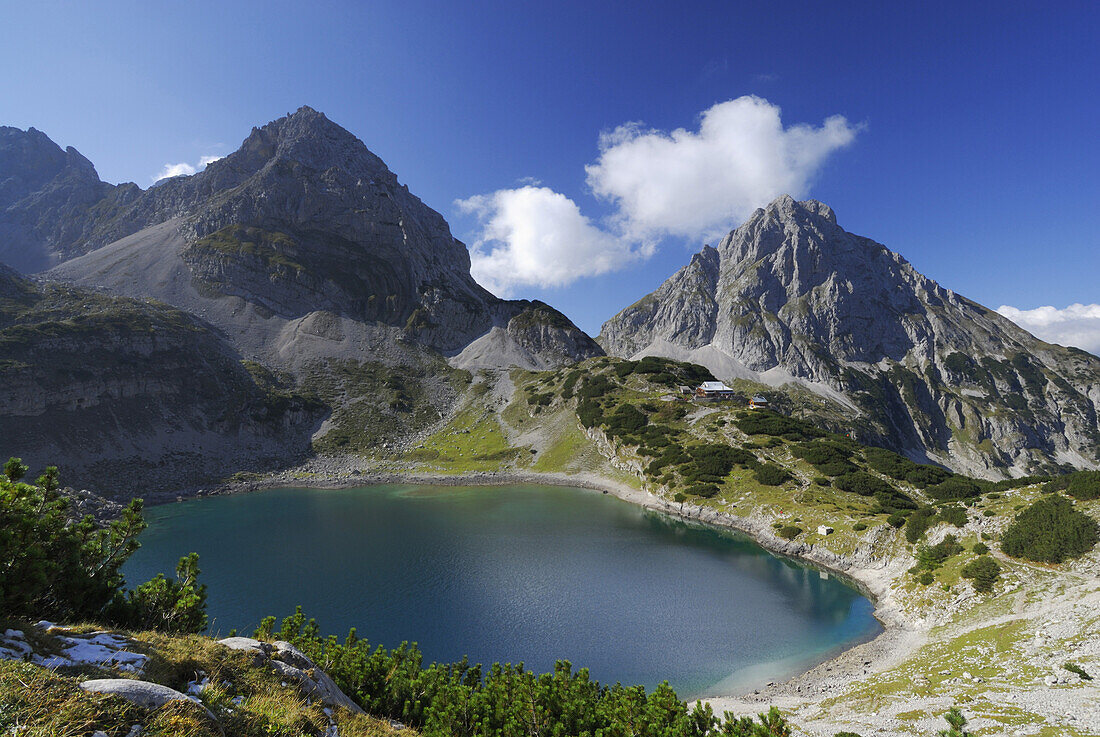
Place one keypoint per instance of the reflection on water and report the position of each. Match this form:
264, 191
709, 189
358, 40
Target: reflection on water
519, 574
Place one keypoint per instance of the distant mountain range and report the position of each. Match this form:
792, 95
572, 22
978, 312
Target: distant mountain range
791, 298
294, 297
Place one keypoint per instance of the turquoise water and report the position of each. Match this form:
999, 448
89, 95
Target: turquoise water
513, 574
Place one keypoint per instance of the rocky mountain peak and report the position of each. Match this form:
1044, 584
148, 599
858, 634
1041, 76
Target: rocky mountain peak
80, 163
709, 255
46, 198
792, 297
787, 208
29, 161
303, 224
800, 227
307, 138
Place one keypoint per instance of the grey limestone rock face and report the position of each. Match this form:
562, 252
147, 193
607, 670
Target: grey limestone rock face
790, 296
683, 310
303, 219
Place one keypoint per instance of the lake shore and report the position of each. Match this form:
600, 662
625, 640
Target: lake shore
900, 636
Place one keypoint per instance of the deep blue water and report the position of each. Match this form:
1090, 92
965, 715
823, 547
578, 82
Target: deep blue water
511, 574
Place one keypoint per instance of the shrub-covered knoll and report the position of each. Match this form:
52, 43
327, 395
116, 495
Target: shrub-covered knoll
890, 500
595, 386
983, 571
894, 501
889, 463
589, 413
664, 371
707, 491
789, 532
956, 487
672, 373
540, 400
1006, 484
569, 384
771, 475
917, 523
674, 455
953, 515
862, 483
1083, 485
931, 557
827, 456
712, 462
625, 419
1050, 531
924, 476
764, 422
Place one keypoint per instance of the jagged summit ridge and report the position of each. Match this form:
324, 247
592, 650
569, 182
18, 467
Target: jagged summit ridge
50, 200
310, 138
303, 245
790, 296
29, 160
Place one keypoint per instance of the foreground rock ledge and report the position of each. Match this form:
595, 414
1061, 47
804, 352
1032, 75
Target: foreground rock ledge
292, 663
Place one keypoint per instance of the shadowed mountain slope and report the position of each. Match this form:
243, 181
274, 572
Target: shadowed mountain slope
134, 391
51, 200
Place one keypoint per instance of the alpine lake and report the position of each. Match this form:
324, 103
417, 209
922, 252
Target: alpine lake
529, 574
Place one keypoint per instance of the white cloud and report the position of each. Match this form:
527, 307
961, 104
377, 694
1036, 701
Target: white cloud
534, 235
699, 183
684, 183
174, 170
1077, 325
183, 168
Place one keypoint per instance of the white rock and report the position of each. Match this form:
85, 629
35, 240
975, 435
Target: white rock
142, 693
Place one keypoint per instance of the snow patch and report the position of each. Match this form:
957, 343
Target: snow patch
101, 648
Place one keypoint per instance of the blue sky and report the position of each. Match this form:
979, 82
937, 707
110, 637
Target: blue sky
969, 138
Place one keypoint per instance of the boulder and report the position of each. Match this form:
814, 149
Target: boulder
261, 650
294, 665
142, 693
